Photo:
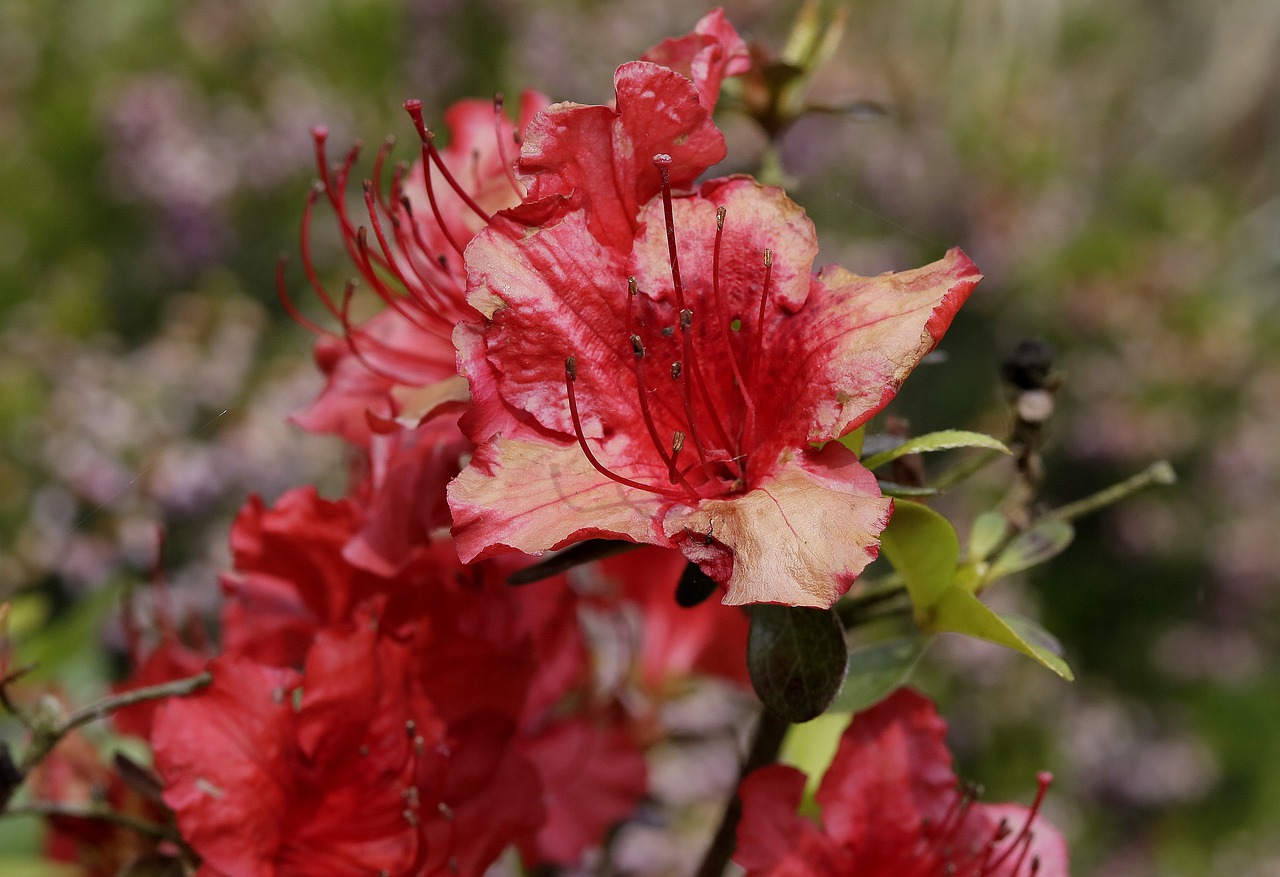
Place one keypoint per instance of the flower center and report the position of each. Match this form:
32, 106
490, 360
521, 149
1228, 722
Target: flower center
701, 406
942, 853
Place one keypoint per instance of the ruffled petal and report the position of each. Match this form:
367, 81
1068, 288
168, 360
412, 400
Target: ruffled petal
601, 159
533, 495
712, 52
844, 355
799, 538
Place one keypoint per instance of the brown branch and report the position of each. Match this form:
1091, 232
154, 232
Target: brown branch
98, 814
45, 739
764, 750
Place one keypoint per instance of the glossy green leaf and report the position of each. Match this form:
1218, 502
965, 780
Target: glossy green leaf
876, 670
936, 441
1046, 538
989, 530
959, 611
797, 658
923, 547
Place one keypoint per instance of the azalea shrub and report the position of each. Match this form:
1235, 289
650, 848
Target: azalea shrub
618, 520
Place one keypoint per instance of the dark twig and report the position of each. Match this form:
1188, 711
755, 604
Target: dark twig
574, 555
764, 750
95, 813
44, 739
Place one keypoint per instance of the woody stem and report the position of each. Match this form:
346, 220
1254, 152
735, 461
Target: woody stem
765, 745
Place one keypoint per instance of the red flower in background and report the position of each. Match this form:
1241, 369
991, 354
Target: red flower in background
891, 806
388, 375
658, 367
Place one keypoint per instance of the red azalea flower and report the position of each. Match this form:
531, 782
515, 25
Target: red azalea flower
659, 367
515, 657
74, 774
408, 250
391, 373
345, 768
675, 643
891, 806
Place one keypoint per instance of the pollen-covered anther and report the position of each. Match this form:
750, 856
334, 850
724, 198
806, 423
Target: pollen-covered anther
677, 445
637, 347
677, 368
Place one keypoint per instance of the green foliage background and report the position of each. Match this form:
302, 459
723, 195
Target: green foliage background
1111, 166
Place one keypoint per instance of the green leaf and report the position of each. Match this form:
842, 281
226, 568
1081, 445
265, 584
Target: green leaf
988, 531
853, 441
891, 488
796, 656
36, 866
936, 441
1033, 633
1046, 538
923, 547
876, 670
959, 611
811, 747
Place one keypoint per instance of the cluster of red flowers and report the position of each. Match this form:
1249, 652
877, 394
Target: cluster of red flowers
578, 341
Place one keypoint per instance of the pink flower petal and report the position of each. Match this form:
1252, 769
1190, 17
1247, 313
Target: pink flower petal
799, 538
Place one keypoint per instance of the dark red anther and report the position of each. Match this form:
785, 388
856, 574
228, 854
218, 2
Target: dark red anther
677, 444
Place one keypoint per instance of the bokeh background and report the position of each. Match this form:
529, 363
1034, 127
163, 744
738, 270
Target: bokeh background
1111, 167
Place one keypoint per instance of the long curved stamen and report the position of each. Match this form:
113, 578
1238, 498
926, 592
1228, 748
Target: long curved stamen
379, 160
758, 347
637, 348
441, 302
571, 377
1044, 779
764, 300
694, 379
334, 182
350, 332
304, 246
429, 144
375, 220
507, 164
414, 107
384, 292
686, 396
741, 384
282, 292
